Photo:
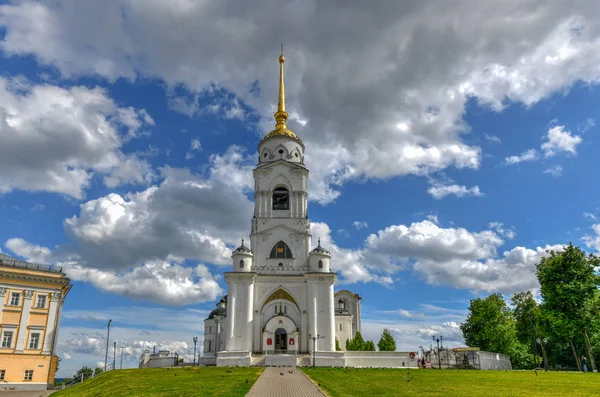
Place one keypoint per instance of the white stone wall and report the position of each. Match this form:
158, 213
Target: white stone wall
343, 329
234, 359
379, 360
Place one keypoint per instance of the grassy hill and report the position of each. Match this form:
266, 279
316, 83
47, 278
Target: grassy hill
186, 381
354, 382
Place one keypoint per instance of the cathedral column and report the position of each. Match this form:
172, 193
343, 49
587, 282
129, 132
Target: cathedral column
231, 301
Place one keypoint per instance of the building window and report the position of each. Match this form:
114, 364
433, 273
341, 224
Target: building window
210, 345
320, 264
340, 326
241, 264
41, 302
210, 329
342, 304
2, 373
281, 199
28, 374
34, 340
15, 298
281, 250
7, 339
285, 309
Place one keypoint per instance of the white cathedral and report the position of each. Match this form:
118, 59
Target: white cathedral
280, 293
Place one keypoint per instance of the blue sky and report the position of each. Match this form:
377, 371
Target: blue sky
445, 158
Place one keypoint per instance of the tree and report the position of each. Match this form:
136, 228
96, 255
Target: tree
58, 360
369, 346
569, 287
491, 327
337, 345
356, 344
387, 342
526, 313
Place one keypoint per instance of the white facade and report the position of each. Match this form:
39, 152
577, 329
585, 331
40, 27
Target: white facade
280, 293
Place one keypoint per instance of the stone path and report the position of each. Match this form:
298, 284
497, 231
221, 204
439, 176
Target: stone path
272, 384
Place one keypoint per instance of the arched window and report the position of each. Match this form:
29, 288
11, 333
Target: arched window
342, 304
242, 264
210, 345
281, 250
320, 264
281, 199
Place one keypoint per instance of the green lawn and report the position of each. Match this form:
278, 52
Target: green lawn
187, 381
342, 382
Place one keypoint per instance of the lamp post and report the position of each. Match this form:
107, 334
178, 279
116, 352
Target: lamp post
195, 339
121, 366
438, 350
533, 340
542, 342
107, 337
314, 339
114, 354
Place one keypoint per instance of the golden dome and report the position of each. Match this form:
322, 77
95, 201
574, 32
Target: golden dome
281, 116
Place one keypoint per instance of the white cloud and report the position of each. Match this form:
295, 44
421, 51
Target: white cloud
529, 155
194, 146
593, 240
348, 111
555, 171
492, 138
502, 231
350, 264
360, 225
457, 257
31, 253
56, 139
155, 281
560, 140
343, 233
439, 191
589, 215
185, 216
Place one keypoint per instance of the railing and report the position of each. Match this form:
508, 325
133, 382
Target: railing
82, 378
27, 265
279, 351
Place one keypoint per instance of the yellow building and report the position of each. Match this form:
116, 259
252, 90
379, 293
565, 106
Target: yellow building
31, 300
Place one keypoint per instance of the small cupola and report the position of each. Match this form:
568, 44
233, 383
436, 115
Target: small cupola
242, 258
319, 259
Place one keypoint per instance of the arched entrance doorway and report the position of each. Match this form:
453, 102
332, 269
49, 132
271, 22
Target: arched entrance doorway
280, 339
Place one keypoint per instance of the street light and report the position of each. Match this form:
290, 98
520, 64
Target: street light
542, 342
121, 366
194, 360
107, 337
438, 350
314, 339
114, 354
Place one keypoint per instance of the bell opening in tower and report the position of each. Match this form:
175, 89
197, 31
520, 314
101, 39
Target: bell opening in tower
281, 199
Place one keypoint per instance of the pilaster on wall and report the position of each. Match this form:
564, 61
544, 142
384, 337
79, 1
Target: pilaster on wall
2, 297
23, 323
53, 312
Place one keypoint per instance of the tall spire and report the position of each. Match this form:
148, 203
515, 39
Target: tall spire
281, 116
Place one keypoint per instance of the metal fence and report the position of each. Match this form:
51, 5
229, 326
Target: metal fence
448, 359
4, 261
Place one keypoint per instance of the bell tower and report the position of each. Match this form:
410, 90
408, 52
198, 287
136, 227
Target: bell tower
280, 238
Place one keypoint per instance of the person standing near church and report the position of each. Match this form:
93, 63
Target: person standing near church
584, 363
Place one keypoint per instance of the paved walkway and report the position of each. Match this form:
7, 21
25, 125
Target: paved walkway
273, 384
25, 393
